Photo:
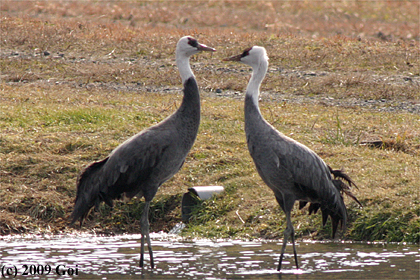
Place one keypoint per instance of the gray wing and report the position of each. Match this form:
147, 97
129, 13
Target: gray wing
130, 168
294, 172
140, 159
290, 167
309, 172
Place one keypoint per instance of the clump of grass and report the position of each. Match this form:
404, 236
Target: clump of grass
398, 143
390, 223
70, 147
9, 224
38, 208
211, 209
339, 135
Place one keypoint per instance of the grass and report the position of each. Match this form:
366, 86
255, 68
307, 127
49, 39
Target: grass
79, 79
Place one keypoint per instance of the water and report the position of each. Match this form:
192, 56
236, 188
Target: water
117, 257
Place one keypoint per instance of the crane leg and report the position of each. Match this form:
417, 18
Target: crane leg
292, 235
283, 248
288, 232
144, 227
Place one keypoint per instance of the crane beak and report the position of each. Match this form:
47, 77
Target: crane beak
204, 48
233, 58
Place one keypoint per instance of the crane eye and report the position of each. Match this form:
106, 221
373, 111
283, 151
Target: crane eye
246, 52
192, 42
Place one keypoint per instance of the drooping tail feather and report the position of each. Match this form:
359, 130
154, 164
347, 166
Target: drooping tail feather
89, 192
337, 218
339, 181
337, 211
342, 182
338, 173
342, 186
313, 207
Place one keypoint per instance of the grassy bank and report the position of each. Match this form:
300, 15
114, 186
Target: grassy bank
77, 80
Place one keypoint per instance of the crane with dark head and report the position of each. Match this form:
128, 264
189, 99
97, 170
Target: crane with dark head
292, 171
141, 164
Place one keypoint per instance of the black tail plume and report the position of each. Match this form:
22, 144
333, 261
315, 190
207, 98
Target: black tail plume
335, 210
342, 182
89, 192
338, 215
342, 186
333, 205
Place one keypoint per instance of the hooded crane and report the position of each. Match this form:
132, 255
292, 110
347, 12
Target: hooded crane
290, 169
145, 161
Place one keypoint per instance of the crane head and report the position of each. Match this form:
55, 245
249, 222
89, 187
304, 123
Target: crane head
251, 56
189, 46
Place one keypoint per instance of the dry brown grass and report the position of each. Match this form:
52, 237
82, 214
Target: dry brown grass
101, 46
77, 78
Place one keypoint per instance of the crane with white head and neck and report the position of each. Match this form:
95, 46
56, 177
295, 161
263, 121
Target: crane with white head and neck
291, 170
141, 164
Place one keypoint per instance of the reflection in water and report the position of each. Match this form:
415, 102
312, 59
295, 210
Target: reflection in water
98, 257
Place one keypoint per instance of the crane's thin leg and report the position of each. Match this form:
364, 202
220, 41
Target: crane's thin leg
283, 248
144, 227
294, 247
289, 231
149, 246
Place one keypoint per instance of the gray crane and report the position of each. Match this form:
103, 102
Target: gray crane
292, 171
141, 164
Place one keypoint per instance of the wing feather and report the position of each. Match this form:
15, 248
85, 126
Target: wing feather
294, 170
124, 170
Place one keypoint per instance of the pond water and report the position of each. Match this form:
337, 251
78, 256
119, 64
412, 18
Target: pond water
117, 257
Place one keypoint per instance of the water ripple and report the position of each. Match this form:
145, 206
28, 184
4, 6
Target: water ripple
104, 257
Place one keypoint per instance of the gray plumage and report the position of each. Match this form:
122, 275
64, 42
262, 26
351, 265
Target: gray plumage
292, 171
141, 164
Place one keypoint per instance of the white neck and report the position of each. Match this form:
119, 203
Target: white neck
183, 63
258, 74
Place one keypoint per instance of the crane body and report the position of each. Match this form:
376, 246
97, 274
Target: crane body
141, 164
290, 169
